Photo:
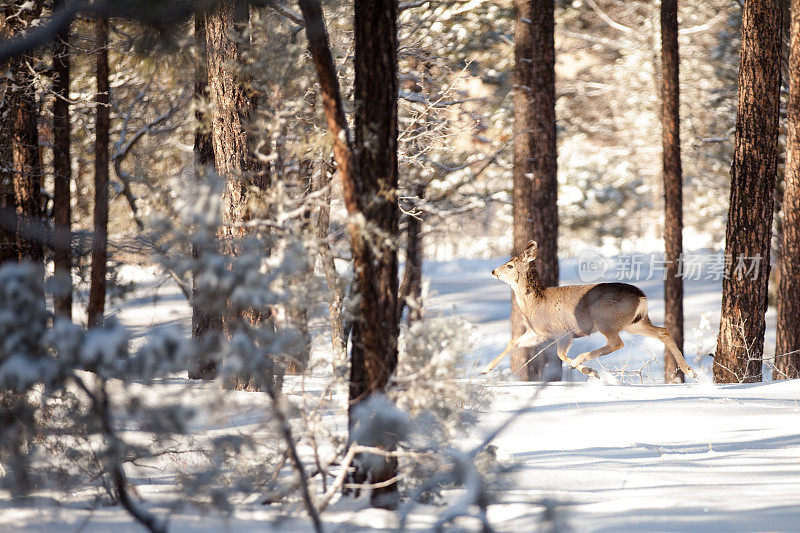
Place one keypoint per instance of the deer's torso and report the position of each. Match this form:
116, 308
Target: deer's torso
581, 309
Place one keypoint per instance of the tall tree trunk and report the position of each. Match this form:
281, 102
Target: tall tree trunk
62, 175
233, 106
740, 344
28, 175
673, 185
411, 286
205, 317
97, 289
299, 184
787, 349
8, 218
373, 357
338, 339
231, 103
535, 165
370, 192
20, 164
27, 163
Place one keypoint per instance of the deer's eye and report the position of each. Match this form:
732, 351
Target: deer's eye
509, 266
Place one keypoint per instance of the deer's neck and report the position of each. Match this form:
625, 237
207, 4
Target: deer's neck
529, 285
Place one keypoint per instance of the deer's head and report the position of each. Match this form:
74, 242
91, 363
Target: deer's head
516, 266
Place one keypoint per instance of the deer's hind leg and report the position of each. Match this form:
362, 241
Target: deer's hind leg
562, 347
646, 328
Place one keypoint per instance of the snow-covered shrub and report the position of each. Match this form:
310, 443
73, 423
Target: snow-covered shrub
427, 408
426, 383
90, 403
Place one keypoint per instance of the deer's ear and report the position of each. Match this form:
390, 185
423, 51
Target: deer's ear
531, 251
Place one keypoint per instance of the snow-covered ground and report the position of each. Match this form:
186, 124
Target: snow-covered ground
694, 457
633, 456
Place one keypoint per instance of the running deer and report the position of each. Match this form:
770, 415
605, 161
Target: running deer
565, 313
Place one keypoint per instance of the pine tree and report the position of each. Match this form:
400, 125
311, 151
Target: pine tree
373, 357
368, 172
673, 185
204, 319
28, 173
787, 349
740, 344
535, 164
233, 107
97, 289
62, 174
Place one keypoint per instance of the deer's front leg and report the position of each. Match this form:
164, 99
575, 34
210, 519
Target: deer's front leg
529, 338
496, 361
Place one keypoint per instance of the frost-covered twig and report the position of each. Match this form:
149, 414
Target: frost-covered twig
465, 473
286, 432
338, 481
100, 406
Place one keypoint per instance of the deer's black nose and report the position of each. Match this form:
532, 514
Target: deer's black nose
494, 272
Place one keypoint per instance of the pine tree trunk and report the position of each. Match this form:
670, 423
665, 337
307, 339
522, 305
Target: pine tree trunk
232, 108
787, 349
535, 165
97, 289
299, 184
28, 175
62, 175
371, 192
232, 105
20, 163
27, 163
8, 218
411, 286
740, 344
334, 281
205, 318
673, 185
373, 357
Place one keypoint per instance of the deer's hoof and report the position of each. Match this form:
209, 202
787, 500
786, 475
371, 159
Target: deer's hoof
589, 372
692, 374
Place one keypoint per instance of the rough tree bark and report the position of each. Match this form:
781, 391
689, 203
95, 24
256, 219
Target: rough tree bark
373, 357
26, 222
13, 88
97, 289
411, 286
740, 344
233, 106
369, 190
673, 185
28, 174
204, 317
787, 349
334, 281
8, 222
535, 166
62, 175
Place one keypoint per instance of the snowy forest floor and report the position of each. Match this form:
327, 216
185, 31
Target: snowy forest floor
636, 455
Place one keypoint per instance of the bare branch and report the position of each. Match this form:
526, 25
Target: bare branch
156, 14
608, 20
302, 476
121, 151
284, 10
100, 407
